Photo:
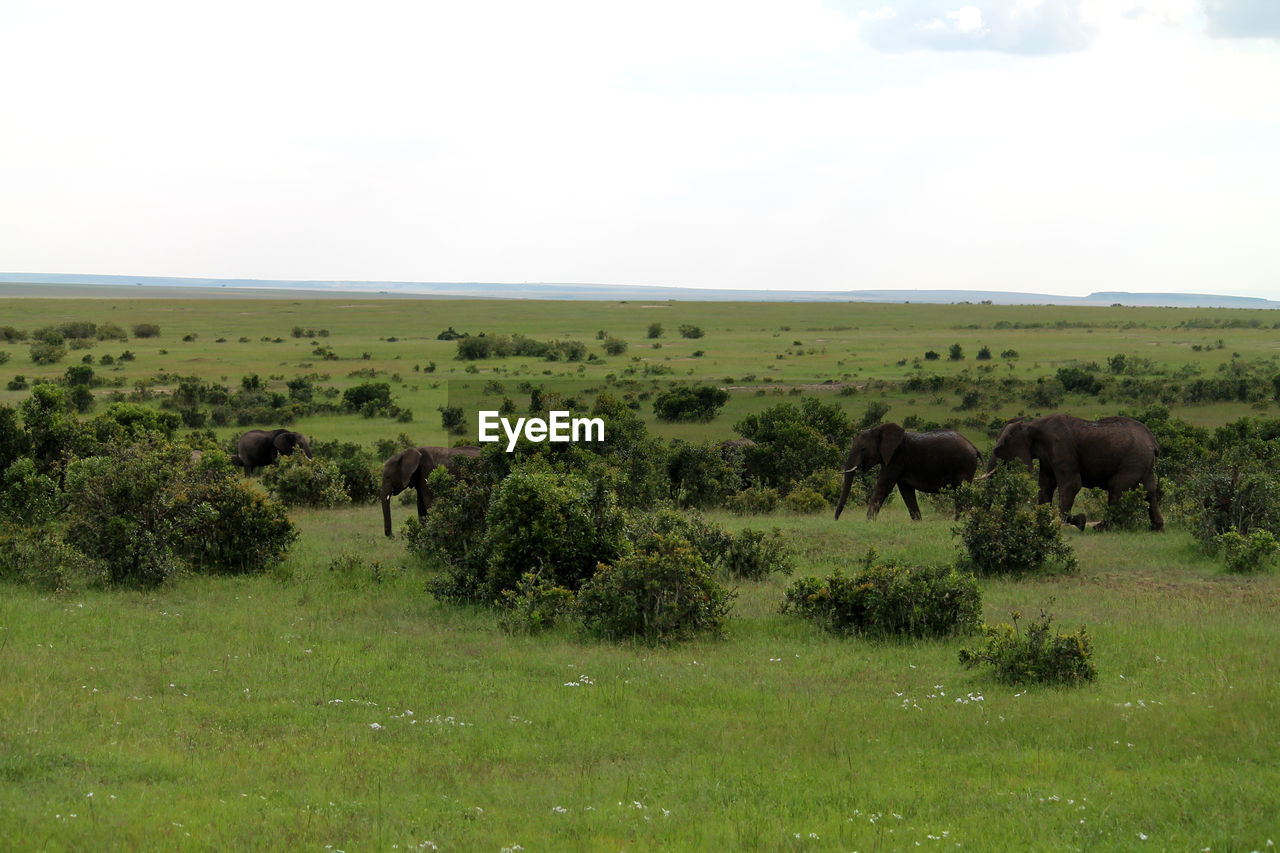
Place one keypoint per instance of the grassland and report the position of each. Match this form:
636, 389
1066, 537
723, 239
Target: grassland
314, 710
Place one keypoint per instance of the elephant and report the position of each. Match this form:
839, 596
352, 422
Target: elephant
411, 468
259, 447
1116, 454
912, 461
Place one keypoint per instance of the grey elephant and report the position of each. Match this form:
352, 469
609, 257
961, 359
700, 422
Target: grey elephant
411, 468
912, 461
1116, 454
259, 447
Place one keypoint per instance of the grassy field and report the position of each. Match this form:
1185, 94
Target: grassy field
314, 710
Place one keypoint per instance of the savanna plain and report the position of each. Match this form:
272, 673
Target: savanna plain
305, 708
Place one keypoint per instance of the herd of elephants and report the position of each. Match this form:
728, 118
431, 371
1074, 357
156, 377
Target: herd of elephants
1115, 453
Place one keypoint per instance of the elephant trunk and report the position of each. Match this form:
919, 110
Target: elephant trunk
844, 491
386, 513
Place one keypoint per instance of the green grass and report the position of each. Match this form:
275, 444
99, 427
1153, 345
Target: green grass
205, 714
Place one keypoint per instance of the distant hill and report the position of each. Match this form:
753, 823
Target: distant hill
49, 284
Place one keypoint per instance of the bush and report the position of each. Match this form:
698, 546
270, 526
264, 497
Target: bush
884, 599
42, 559
757, 500
146, 330
121, 511
228, 526
805, 501
754, 554
690, 404
27, 497
1127, 513
662, 592
687, 331
614, 346
700, 474
794, 441
559, 525
369, 398
453, 419
296, 480
359, 470
1238, 488
655, 330
1002, 535
1037, 657
1247, 554
43, 352
535, 605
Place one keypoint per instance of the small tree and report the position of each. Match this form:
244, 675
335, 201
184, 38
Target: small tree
690, 404
655, 330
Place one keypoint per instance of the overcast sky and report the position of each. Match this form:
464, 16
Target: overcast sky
1054, 146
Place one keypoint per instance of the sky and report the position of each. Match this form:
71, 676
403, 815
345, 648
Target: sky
1047, 146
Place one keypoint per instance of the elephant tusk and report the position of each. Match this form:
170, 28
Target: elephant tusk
985, 476
852, 470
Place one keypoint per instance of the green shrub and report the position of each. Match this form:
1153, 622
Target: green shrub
654, 331
43, 352
121, 511
368, 397
146, 330
559, 525
754, 554
1235, 488
700, 474
27, 497
1039, 656
296, 480
884, 599
1127, 513
1246, 554
792, 442
688, 331
534, 606
614, 346
359, 469
757, 500
1002, 534
41, 558
690, 404
805, 500
226, 525
661, 593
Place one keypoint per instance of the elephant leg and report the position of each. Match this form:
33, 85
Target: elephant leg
1047, 487
878, 495
909, 498
1153, 502
386, 515
1066, 497
422, 499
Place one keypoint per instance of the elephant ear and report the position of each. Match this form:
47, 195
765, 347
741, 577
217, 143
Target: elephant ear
891, 436
404, 465
283, 442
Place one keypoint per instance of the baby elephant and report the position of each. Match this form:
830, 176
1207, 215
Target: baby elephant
912, 461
